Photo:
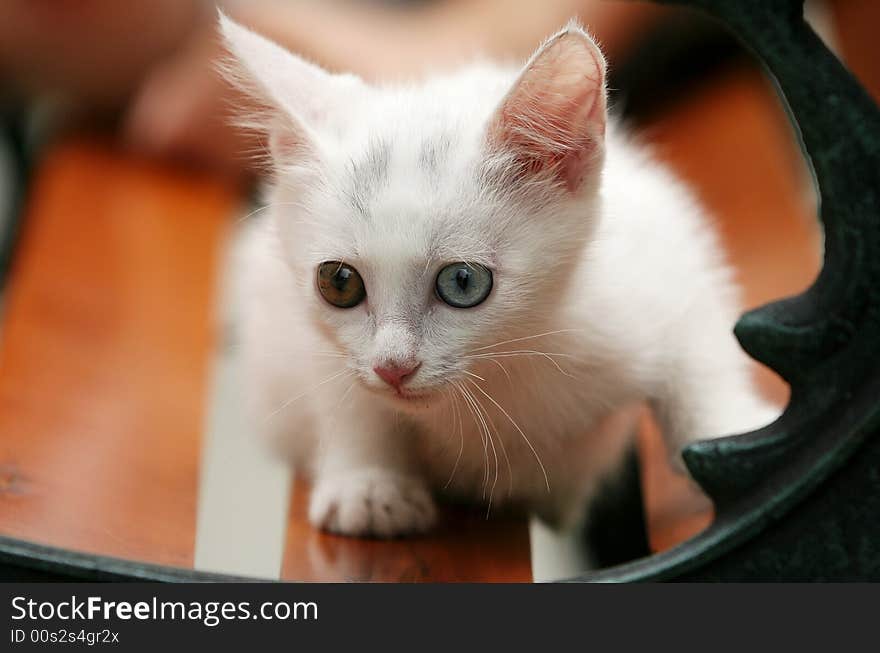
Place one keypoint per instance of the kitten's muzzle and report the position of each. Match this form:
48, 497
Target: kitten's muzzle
396, 374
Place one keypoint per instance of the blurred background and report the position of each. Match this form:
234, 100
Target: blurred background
121, 180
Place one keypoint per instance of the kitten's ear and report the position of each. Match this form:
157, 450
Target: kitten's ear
293, 92
553, 119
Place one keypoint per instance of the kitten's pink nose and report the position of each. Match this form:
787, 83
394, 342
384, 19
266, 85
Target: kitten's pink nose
394, 374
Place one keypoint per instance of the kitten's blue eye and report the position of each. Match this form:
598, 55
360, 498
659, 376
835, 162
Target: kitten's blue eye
340, 284
464, 285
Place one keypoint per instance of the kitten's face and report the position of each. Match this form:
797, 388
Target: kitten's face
424, 224
434, 266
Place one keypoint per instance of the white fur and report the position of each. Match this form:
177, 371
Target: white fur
609, 292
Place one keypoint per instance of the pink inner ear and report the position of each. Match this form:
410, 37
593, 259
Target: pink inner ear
285, 145
288, 141
554, 118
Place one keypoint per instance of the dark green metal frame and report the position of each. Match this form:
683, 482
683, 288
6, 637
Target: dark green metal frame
799, 499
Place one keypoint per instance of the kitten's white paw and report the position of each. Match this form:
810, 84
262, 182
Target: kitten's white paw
372, 502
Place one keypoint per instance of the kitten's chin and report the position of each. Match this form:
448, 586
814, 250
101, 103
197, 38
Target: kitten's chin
411, 400
416, 401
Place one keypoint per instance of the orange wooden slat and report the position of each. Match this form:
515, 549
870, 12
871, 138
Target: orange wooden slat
856, 23
104, 355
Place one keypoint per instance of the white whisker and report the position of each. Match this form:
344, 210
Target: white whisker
310, 390
494, 451
503, 451
476, 376
503, 369
481, 428
461, 437
335, 419
527, 352
268, 206
537, 335
487, 441
516, 426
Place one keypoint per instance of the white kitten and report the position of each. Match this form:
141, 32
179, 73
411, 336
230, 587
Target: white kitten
507, 281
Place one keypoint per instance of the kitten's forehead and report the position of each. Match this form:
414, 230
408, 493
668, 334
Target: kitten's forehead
417, 201
366, 173
402, 235
405, 175
395, 151
417, 135
421, 168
